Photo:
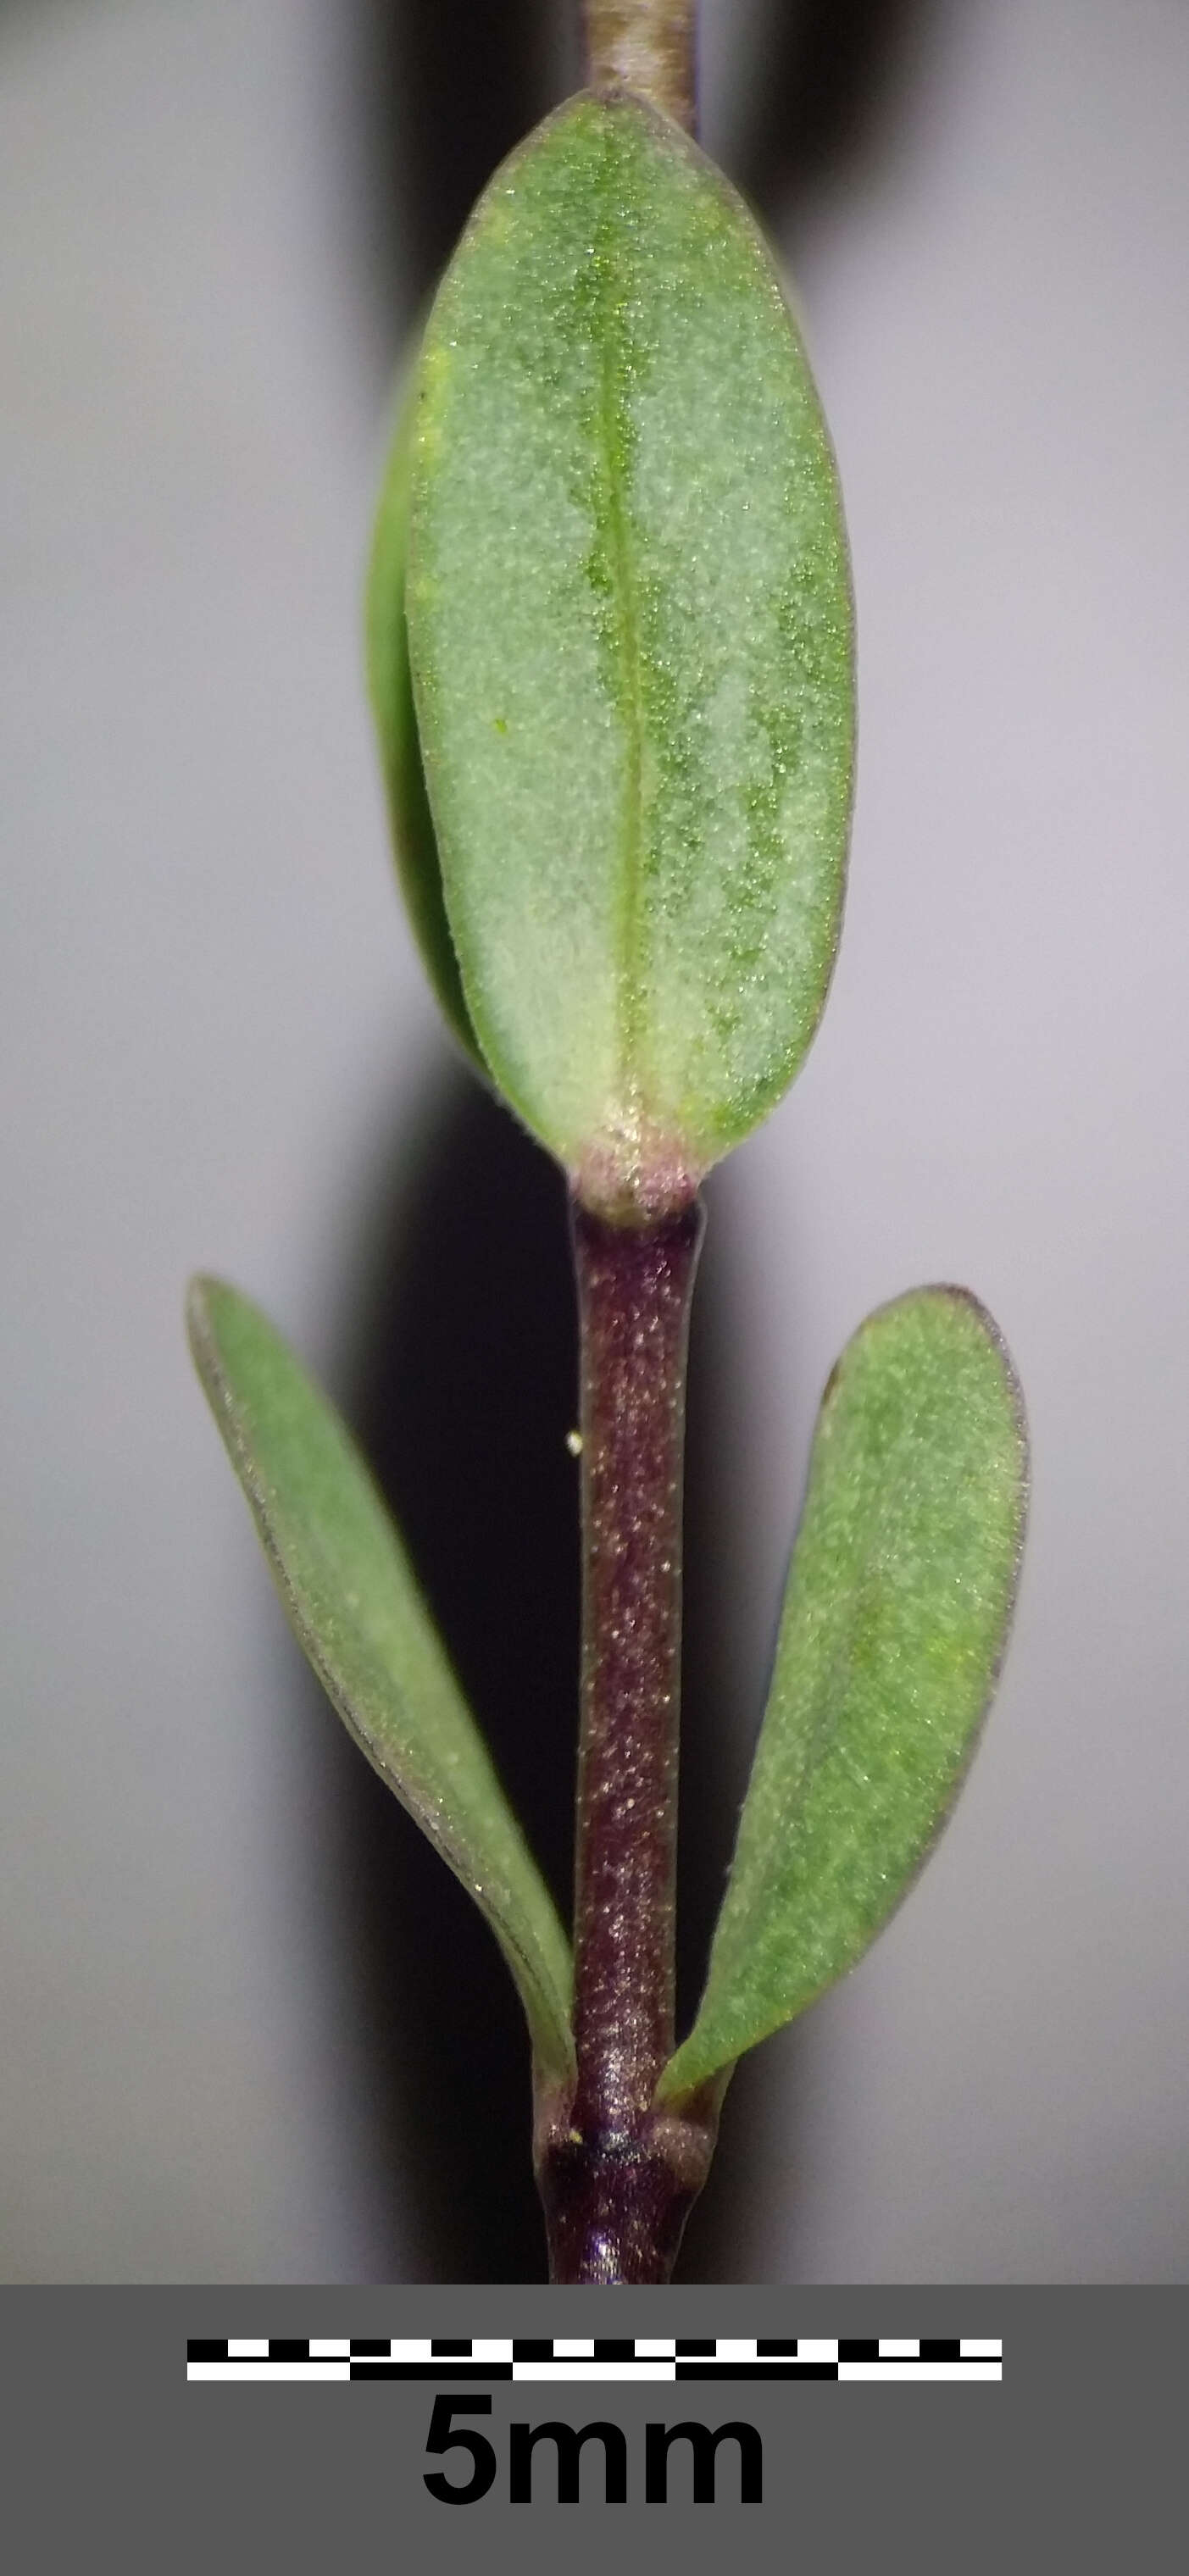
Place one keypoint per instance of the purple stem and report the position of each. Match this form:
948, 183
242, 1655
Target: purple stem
616, 2177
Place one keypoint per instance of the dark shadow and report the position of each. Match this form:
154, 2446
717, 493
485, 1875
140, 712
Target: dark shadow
718, 1726
834, 79
442, 90
460, 1382
460, 1358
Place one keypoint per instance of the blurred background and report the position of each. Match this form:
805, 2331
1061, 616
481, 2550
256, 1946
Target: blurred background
248, 2027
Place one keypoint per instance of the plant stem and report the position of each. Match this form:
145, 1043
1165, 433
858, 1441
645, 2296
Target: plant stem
646, 46
634, 1290
617, 2178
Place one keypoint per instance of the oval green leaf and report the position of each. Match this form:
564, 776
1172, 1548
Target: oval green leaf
631, 636
896, 1614
354, 1606
414, 841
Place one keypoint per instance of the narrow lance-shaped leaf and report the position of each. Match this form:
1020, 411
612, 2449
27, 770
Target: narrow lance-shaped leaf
630, 631
896, 1614
413, 838
352, 1601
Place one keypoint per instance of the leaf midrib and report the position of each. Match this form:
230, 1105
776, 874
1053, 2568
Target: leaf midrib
615, 431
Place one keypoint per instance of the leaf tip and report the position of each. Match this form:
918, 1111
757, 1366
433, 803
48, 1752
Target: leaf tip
963, 1302
205, 1297
197, 1309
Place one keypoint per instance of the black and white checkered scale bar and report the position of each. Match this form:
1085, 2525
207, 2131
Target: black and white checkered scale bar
482, 2360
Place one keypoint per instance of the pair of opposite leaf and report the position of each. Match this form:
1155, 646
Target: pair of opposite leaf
610, 644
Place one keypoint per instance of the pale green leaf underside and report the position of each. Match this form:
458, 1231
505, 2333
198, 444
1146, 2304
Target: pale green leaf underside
896, 1613
630, 624
352, 1601
413, 838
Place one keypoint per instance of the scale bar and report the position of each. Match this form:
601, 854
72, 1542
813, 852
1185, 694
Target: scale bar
450, 2361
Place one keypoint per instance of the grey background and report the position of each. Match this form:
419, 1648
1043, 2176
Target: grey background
235, 2000
1078, 2449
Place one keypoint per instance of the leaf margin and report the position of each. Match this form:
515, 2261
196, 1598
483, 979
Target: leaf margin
391, 697
540, 1967
690, 2069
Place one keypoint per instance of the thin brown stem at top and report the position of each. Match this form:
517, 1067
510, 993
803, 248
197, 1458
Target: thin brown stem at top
647, 46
